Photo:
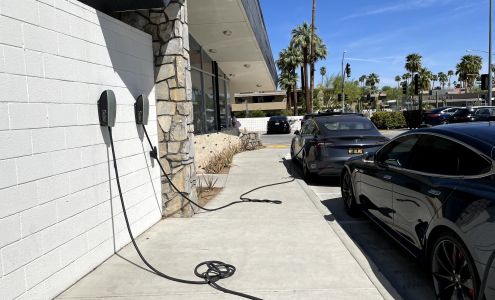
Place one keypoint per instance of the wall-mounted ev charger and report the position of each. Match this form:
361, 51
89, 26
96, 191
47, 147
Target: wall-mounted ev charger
142, 110
107, 109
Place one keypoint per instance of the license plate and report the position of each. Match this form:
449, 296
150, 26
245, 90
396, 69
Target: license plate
277, 123
355, 150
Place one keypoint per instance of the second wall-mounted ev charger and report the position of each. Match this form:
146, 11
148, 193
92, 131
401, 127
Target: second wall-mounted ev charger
142, 110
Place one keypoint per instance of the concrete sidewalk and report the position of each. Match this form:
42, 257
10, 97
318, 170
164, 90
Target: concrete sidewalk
283, 251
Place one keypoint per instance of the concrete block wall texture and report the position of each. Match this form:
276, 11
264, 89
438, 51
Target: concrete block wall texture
60, 215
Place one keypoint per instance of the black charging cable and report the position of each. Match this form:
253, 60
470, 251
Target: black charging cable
215, 270
243, 199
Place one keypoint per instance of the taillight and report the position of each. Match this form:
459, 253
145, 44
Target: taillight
323, 143
435, 116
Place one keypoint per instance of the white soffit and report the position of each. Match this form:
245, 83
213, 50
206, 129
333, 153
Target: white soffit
238, 53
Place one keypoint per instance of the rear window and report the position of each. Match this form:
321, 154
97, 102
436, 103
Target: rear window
336, 125
278, 119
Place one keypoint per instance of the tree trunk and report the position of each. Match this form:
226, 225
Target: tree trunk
303, 80
295, 100
287, 106
312, 86
306, 91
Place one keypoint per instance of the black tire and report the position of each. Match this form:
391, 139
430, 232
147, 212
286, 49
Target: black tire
348, 196
292, 154
308, 176
453, 270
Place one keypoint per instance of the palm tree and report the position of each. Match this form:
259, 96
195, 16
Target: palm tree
442, 78
287, 63
413, 63
301, 40
450, 73
434, 78
362, 79
323, 72
406, 77
468, 69
425, 76
372, 80
398, 79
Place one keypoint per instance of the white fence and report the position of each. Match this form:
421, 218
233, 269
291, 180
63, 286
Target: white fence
259, 124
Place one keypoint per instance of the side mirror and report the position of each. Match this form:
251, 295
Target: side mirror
369, 157
296, 132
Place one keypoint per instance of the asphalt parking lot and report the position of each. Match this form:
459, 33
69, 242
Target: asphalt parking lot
401, 270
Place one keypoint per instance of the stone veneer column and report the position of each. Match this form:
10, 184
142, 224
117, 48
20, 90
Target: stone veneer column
170, 33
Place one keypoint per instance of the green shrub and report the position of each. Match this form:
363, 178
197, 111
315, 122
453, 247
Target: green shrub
388, 120
257, 114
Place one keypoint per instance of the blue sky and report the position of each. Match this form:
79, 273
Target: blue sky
385, 31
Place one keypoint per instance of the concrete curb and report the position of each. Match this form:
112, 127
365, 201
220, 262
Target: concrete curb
382, 284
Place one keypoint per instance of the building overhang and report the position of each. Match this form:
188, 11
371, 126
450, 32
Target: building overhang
233, 33
108, 6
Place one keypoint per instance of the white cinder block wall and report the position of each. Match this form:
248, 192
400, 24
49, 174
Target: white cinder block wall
56, 199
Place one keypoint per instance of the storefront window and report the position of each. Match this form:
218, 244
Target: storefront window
197, 99
222, 100
209, 92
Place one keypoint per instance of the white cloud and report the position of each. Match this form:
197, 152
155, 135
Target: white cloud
403, 5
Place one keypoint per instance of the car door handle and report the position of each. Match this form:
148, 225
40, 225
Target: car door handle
387, 177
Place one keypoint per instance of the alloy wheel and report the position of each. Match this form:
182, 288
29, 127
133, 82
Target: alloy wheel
453, 272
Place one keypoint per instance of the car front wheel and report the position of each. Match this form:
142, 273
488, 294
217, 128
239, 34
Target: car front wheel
453, 270
348, 194
308, 176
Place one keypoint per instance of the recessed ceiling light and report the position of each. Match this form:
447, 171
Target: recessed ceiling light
231, 75
247, 66
212, 50
258, 85
227, 32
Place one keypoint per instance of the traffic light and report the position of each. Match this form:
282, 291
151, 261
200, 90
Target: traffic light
346, 98
348, 70
484, 82
404, 88
416, 84
340, 97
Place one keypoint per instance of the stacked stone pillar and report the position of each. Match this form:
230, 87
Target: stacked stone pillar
170, 33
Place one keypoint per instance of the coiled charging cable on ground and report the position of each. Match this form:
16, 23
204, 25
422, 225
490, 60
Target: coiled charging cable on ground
215, 270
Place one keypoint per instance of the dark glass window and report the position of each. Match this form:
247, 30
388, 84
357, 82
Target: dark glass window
209, 92
222, 100
308, 128
397, 152
437, 155
197, 99
207, 63
195, 53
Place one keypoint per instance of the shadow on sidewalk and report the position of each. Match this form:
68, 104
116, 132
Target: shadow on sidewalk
392, 261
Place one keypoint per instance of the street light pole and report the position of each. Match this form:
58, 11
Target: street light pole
490, 84
343, 81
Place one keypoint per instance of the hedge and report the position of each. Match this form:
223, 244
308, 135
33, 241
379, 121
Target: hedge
388, 120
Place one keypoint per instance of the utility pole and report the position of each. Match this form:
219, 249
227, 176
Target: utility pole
312, 60
343, 81
490, 74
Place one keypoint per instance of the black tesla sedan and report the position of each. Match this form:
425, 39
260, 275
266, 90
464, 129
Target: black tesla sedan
278, 124
326, 142
433, 191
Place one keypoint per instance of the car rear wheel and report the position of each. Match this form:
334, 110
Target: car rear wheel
308, 176
453, 270
348, 194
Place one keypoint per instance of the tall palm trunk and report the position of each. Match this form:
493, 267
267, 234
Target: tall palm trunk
295, 100
289, 101
312, 86
312, 60
303, 80
306, 90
